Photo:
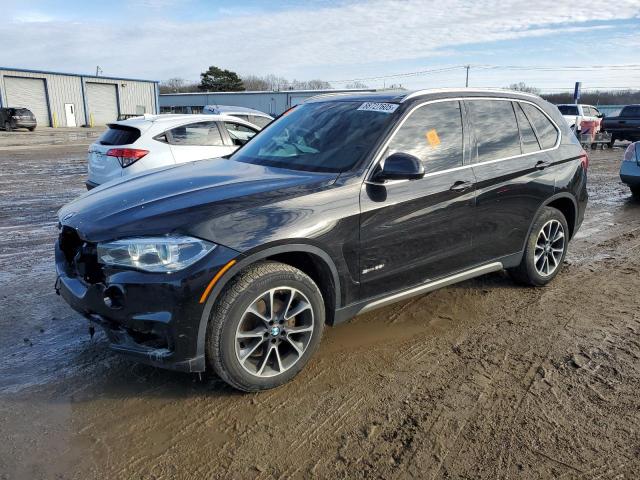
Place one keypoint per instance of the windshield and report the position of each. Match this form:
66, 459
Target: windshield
317, 137
568, 109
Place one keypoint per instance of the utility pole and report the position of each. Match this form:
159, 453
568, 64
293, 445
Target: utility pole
98, 70
467, 82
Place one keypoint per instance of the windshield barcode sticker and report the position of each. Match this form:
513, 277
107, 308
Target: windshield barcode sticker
379, 107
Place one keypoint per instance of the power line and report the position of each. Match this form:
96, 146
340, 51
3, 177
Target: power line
544, 68
401, 75
556, 68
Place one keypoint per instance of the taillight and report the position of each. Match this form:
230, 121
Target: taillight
631, 154
584, 160
127, 156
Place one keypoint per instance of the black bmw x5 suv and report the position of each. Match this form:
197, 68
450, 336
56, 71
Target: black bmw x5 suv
344, 204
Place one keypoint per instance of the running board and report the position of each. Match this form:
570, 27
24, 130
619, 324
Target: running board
431, 286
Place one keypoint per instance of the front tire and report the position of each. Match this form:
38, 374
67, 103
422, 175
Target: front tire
635, 192
7, 126
264, 327
545, 249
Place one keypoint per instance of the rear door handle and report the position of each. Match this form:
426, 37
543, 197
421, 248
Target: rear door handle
461, 186
541, 165
622, 121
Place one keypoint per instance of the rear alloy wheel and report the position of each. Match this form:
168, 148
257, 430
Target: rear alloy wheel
545, 249
264, 326
7, 127
550, 248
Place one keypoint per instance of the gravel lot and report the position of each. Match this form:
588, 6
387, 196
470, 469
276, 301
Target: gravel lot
483, 379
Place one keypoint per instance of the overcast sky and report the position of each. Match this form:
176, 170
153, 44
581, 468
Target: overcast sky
331, 40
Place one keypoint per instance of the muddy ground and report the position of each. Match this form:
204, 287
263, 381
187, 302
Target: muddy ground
485, 379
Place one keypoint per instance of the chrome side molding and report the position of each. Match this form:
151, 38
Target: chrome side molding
431, 286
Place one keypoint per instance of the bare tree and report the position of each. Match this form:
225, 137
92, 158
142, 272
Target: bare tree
316, 84
523, 87
278, 83
597, 97
356, 84
177, 85
254, 83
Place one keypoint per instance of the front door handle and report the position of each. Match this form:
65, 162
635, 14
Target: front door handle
541, 165
461, 186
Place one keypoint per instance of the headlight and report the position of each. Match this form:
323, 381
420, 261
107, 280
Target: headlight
154, 254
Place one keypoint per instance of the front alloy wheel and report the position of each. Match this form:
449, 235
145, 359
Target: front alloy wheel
264, 326
274, 332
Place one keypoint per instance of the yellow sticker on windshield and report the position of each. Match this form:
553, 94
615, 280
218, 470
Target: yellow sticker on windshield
433, 138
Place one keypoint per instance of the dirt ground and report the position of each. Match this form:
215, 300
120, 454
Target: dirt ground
485, 379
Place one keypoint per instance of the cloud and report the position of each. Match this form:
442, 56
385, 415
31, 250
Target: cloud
330, 36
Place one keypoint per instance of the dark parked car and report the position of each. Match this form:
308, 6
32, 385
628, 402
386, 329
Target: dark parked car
12, 118
345, 204
625, 126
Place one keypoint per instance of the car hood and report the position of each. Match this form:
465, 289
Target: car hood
180, 198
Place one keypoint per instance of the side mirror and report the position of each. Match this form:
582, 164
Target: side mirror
602, 115
400, 166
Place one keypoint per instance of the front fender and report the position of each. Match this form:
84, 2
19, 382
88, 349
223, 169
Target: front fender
249, 258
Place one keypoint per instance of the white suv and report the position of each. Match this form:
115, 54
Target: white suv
574, 114
152, 141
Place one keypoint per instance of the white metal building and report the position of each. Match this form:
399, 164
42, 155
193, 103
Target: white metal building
273, 103
70, 100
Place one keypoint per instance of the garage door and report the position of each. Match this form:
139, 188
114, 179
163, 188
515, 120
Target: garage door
103, 102
28, 93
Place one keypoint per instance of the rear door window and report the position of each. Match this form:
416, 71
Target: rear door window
196, 134
495, 128
433, 133
546, 130
119, 135
527, 134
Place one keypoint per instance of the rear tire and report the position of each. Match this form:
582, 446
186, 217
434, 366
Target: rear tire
545, 249
635, 192
264, 327
31, 129
7, 127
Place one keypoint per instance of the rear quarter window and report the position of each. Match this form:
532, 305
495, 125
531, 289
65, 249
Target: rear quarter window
527, 134
545, 129
259, 121
119, 135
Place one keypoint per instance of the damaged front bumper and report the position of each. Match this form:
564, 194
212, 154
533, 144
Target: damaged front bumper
153, 318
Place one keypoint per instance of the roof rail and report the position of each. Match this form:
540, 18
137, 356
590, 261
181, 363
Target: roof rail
332, 94
428, 91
